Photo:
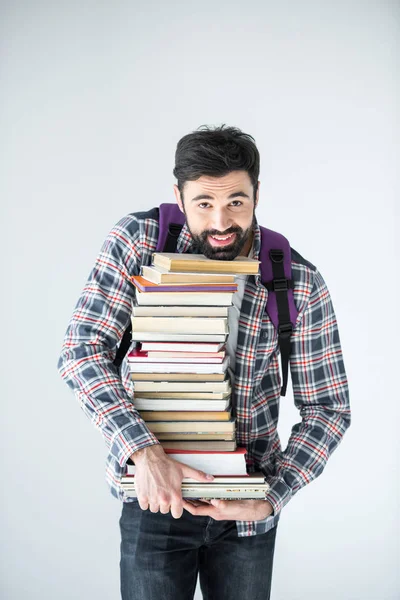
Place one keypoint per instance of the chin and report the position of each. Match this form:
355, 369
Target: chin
218, 254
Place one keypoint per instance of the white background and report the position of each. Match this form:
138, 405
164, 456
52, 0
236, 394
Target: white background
94, 97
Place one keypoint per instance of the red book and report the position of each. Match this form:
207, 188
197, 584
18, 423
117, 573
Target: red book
215, 463
138, 356
182, 346
148, 286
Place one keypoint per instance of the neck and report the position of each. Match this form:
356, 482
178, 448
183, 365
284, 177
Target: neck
247, 246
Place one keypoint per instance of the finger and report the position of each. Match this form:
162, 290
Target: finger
216, 502
164, 508
144, 504
154, 507
177, 510
194, 502
196, 474
203, 510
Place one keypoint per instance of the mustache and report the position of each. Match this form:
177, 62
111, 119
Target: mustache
227, 232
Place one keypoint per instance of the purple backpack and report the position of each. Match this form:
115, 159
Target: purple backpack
276, 276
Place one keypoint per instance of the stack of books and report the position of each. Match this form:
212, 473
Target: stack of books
179, 365
238, 484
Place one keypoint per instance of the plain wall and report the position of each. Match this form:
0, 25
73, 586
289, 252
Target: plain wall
94, 97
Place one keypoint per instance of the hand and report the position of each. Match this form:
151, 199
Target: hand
235, 510
158, 480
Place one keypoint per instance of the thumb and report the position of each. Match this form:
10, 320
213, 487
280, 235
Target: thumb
215, 502
196, 474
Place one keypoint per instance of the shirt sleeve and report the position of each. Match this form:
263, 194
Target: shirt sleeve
320, 392
93, 335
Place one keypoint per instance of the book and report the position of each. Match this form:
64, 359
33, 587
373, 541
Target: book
175, 262
187, 415
228, 487
189, 325
184, 298
147, 286
184, 436
183, 386
178, 376
237, 492
180, 405
181, 347
154, 336
175, 367
180, 395
180, 311
138, 357
250, 479
160, 275
192, 356
192, 426
192, 445
213, 462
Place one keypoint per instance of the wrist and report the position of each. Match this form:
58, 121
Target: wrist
265, 509
149, 453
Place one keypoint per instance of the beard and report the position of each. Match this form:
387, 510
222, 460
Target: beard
229, 252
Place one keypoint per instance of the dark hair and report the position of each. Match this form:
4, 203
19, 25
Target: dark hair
216, 151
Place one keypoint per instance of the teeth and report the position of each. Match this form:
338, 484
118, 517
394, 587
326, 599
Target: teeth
222, 238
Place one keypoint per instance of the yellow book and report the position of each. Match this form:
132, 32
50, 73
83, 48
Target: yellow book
192, 426
185, 415
190, 263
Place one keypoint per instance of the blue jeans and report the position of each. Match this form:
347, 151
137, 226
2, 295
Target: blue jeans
161, 557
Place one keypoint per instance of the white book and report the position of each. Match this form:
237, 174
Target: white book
223, 494
153, 336
183, 386
252, 479
184, 298
216, 463
180, 311
175, 404
180, 325
155, 367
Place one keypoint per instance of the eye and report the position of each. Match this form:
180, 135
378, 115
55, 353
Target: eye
201, 205
236, 203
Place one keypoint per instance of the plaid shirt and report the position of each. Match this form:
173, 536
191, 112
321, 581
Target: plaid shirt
319, 380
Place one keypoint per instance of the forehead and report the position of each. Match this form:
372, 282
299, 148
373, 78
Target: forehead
219, 185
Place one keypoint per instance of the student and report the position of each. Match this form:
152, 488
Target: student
165, 540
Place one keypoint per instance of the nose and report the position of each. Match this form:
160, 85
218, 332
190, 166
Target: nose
220, 221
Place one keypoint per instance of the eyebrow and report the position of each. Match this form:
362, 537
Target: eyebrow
234, 195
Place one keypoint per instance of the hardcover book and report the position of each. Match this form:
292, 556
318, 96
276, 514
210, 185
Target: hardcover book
147, 286
175, 262
160, 275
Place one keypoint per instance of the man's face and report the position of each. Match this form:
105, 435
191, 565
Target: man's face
220, 214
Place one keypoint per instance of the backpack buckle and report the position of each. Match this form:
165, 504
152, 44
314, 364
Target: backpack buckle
174, 229
285, 329
276, 256
280, 285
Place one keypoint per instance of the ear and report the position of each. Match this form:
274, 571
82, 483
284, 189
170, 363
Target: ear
178, 197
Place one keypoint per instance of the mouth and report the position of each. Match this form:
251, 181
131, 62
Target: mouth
222, 240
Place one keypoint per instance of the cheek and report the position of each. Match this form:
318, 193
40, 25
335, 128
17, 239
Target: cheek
197, 223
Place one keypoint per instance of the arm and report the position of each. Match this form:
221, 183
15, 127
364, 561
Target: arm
93, 335
320, 393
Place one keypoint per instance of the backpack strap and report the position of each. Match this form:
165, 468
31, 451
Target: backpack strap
276, 275
170, 223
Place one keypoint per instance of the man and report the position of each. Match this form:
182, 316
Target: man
165, 540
